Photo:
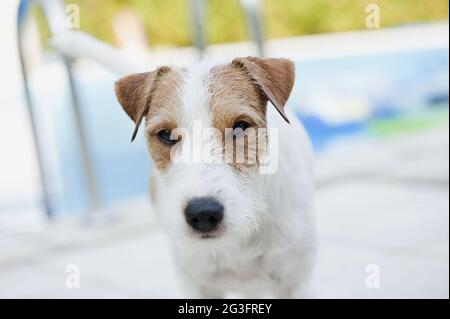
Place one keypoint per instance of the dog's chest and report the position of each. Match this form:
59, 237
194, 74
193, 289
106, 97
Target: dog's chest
243, 273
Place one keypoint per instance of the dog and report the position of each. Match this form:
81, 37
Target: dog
235, 226
231, 227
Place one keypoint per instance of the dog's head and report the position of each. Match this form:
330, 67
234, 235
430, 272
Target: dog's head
206, 132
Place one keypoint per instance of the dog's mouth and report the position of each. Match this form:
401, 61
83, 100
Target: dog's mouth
208, 236
215, 234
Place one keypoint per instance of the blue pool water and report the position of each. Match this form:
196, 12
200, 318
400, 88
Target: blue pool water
334, 98
376, 87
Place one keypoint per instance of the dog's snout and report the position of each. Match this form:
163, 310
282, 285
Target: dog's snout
204, 213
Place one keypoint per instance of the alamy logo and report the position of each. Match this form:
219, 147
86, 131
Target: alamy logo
233, 146
72, 16
373, 16
373, 277
73, 276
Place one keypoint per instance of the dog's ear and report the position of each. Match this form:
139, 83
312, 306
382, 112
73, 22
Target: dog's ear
134, 93
274, 77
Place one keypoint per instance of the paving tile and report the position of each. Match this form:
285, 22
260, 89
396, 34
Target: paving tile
384, 214
141, 265
402, 229
341, 272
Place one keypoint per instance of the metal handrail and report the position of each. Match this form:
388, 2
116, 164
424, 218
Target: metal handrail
54, 13
253, 13
252, 9
198, 23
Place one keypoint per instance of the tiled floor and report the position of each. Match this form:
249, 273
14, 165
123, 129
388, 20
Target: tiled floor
389, 210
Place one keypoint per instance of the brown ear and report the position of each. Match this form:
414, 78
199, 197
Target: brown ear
134, 93
275, 78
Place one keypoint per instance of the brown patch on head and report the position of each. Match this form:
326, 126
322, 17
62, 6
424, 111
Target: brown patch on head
234, 99
274, 77
240, 92
163, 114
153, 95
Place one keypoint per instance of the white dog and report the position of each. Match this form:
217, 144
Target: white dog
233, 226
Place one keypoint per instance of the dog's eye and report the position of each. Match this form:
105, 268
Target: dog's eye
240, 127
164, 136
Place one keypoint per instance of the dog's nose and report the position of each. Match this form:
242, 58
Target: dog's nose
204, 213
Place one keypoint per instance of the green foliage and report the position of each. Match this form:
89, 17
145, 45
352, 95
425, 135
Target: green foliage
297, 17
167, 22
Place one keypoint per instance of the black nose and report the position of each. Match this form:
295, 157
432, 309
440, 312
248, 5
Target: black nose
204, 213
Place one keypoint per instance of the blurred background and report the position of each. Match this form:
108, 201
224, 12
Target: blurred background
372, 90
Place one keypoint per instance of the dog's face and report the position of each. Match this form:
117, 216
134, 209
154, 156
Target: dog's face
206, 133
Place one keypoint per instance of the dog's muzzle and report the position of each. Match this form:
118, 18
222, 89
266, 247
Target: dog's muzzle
204, 214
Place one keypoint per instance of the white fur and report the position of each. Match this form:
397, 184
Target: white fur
267, 248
